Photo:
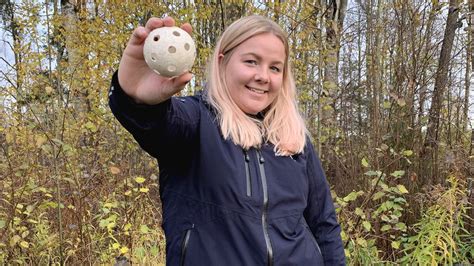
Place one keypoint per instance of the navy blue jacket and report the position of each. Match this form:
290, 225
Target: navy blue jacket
226, 206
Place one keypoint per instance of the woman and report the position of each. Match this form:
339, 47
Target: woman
240, 183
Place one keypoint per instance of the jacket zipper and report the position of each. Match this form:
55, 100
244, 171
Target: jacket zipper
184, 245
261, 162
247, 174
312, 237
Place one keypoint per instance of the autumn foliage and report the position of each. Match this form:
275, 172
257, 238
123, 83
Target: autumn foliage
75, 188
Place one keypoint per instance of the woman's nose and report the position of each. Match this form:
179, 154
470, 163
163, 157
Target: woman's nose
261, 75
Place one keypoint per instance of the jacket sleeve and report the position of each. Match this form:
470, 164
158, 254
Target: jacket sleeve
164, 130
320, 213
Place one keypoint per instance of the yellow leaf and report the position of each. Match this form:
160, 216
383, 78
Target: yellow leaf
348, 253
144, 189
127, 193
123, 250
114, 170
14, 240
401, 102
362, 242
115, 245
111, 225
395, 244
40, 140
402, 189
365, 163
24, 244
9, 137
139, 179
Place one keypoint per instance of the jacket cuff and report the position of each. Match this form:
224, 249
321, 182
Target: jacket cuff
121, 101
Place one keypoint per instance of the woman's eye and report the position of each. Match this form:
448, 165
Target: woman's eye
276, 69
252, 62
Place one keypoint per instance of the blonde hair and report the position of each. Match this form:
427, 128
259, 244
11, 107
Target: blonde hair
282, 124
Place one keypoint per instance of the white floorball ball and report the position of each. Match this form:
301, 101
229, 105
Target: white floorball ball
169, 51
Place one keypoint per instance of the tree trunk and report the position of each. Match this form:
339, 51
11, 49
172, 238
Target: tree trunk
373, 73
469, 67
334, 20
430, 146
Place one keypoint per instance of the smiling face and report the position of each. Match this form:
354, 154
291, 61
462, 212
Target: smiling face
254, 72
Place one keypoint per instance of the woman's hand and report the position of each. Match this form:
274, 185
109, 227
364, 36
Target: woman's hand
137, 79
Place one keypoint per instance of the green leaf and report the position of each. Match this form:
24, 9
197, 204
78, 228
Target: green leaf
402, 189
144, 229
90, 126
351, 197
395, 244
115, 246
109, 205
389, 205
2, 224
397, 174
378, 195
365, 163
372, 173
29, 208
139, 252
329, 85
401, 226
154, 250
384, 218
384, 186
386, 228
359, 212
103, 223
367, 225
408, 153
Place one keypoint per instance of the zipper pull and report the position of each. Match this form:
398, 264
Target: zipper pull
260, 157
246, 155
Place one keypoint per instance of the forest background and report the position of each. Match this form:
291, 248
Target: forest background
384, 85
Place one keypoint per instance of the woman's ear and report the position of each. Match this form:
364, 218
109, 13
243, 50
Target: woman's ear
220, 57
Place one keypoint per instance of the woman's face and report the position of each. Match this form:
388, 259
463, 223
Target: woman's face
254, 73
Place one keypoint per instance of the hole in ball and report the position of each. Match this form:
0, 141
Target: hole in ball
156, 38
172, 49
171, 68
187, 46
153, 57
175, 33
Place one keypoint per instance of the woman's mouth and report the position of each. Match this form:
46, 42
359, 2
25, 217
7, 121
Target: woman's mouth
259, 91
